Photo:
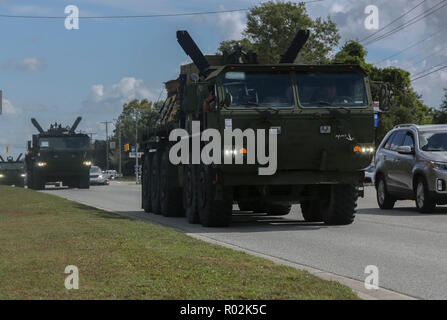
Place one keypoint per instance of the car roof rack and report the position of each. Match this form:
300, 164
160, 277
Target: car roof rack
404, 125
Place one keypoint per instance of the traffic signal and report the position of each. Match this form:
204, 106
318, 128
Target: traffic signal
126, 147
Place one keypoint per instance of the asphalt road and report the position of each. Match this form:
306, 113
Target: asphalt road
409, 249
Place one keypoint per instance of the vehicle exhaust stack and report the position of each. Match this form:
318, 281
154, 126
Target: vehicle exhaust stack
75, 125
37, 125
192, 50
295, 46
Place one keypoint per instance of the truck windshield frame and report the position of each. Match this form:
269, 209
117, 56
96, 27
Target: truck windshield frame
331, 90
259, 89
64, 143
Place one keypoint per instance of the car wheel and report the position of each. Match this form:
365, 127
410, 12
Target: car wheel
384, 199
424, 202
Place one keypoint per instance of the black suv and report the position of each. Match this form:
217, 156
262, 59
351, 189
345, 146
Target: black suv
411, 163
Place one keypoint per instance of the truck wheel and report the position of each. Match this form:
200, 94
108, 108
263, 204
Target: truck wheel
146, 184
341, 206
84, 182
215, 200
274, 209
384, 199
424, 202
155, 185
311, 211
190, 194
170, 197
37, 182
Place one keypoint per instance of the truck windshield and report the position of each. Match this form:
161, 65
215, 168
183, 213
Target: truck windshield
259, 90
433, 141
64, 143
331, 90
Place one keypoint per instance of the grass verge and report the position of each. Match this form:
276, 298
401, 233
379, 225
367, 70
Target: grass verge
120, 258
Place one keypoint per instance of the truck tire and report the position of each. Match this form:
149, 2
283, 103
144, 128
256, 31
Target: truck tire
155, 183
146, 203
311, 211
215, 201
171, 200
274, 209
190, 194
384, 199
37, 182
424, 202
84, 182
341, 206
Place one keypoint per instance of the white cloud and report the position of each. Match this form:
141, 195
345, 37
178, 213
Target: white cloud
231, 24
9, 108
103, 98
28, 64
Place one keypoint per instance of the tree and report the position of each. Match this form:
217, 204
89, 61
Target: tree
143, 111
440, 116
271, 26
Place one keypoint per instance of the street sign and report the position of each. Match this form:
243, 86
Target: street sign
133, 149
112, 145
132, 154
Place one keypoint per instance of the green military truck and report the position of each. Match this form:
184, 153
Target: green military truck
58, 155
321, 115
12, 172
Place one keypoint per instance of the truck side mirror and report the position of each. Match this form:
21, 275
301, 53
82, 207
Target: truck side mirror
405, 150
228, 99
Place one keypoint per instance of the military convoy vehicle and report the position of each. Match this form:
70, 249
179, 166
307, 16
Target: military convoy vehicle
58, 155
12, 172
322, 116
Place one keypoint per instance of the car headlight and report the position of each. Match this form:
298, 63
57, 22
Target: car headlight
438, 165
87, 163
100, 176
1, 175
41, 164
23, 175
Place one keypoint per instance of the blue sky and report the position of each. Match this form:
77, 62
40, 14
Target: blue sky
55, 74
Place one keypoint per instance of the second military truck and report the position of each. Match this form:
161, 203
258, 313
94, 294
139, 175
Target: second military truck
58, 155
322, 116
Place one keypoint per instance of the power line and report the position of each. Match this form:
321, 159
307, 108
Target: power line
418, 18
428, 69
413, 45
423, 76
136, 16
403, 15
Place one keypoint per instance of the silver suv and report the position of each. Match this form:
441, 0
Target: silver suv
411, 163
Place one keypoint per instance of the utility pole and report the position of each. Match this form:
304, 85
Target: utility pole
136, 146
107, 143
118, 126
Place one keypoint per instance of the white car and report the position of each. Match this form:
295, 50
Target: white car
110, 174
97, 177
369, 174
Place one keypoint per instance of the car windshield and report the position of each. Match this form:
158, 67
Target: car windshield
259, 90
95, 170
331, 90
64, 143
433, 141
11, 166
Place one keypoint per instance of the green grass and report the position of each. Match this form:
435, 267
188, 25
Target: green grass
120, 258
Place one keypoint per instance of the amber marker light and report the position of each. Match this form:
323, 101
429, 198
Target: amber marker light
243, 150
357, 149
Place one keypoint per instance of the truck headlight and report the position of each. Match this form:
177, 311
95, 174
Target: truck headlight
23, 175
1, 175
41, 164
87, 163
364, 149
438, 165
